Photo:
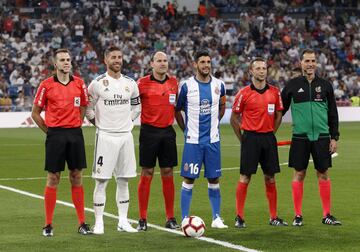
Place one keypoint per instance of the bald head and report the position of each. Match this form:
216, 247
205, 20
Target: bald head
159, 64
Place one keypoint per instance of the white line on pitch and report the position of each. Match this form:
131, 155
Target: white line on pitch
176, 172
207, 239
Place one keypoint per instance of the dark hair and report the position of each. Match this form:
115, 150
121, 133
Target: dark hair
201, 53
306, 50
111, 49
255, 60
153, 55
61, 50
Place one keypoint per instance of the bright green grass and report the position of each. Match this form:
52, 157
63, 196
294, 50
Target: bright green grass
21, 217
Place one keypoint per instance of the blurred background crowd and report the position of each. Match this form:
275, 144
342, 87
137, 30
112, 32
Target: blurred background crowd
234, 31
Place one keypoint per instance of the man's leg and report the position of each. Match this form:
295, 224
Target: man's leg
186, 196
122, 202
168, 189
99, 199
52, 182
271, 195
241, 193
144, 190
325, 191
298, 190
77, 193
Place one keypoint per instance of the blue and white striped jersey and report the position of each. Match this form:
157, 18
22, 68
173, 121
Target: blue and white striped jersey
201, 102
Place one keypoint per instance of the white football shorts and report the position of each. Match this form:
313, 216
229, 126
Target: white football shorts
114, 155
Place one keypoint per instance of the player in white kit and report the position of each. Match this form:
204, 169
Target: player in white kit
114, 104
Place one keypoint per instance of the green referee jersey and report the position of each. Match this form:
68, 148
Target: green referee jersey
313, 107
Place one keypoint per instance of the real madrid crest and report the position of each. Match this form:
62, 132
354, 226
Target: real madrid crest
105, 83
217, 91
127, 89
318, 89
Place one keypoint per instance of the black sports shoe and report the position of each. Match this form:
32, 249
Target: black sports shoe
331, 220
48, 231
239, 222
277, 222
142, 226
84, 229
298, 220
172, 224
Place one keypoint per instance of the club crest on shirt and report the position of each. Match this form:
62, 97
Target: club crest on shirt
318, 89
217, 91
127, 89
105, 83
186, 167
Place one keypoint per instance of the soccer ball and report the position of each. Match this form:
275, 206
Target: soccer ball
193, 226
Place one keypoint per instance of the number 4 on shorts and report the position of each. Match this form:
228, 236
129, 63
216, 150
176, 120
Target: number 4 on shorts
100, 161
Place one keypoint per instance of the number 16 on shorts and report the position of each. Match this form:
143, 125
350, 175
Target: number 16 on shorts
190, 170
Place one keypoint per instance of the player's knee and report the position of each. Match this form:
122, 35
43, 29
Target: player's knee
213, 180
245, 179
323, 176
53, 179
269, 179
299, 176
166, 172
75, 177
147, 172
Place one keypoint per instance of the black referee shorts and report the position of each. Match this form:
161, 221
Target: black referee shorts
64, 144
259, 148
157, 143
301, 148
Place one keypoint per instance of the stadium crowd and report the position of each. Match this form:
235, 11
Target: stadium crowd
30, 34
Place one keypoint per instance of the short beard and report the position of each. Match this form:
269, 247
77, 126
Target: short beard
114, 70
204, 75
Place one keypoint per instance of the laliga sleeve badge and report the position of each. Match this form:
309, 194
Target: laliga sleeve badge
271, 109
76, 101
172, 99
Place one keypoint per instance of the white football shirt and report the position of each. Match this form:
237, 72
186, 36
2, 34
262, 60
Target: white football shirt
111, 102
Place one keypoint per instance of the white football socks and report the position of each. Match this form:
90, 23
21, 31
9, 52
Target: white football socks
99, 199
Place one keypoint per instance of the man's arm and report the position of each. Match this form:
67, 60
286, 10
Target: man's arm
135, 103
35, 114
222, 107
180, 119
90, 109
278, 118
286, 98
235, 121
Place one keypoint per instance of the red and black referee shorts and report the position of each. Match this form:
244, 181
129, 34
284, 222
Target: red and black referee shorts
259, 148
157, 143
64, 144
301, 148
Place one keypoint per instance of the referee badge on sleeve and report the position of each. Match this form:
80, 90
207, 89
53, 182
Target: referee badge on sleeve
271, 109
76, 101
172, 99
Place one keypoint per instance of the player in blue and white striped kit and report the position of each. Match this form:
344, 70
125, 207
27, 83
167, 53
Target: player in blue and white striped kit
202, 98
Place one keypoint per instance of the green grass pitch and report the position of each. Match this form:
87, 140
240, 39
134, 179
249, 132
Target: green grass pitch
22, 217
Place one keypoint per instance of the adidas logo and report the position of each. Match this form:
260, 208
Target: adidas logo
28, 122
300, 90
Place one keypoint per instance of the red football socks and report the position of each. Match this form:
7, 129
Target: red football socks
168, 189
241, 191
143, 195
271, 195
77, 194
325, 192
297, 194
50, 202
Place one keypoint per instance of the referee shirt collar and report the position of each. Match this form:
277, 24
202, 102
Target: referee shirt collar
160, 81
57, 80
261, 91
